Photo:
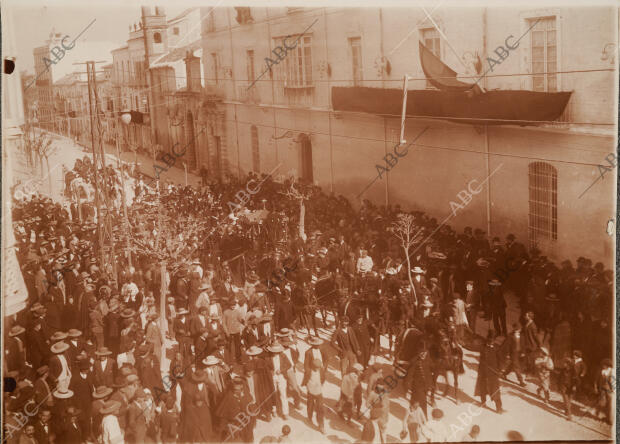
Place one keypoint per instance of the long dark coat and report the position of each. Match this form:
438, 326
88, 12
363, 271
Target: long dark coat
487, 383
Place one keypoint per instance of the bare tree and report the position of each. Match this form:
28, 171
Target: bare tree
408, 233
38, 145
300, 196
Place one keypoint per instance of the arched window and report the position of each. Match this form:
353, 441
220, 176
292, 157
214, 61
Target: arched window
543, 198
255, 149
157, 37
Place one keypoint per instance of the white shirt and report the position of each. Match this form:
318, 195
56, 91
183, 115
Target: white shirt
316, 354
364, 264
112, 433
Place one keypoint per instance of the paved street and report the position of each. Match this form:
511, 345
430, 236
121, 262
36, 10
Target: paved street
526, 413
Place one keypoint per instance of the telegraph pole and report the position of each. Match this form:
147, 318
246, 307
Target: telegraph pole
104, 222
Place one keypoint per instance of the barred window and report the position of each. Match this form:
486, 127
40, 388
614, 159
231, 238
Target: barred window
255, 149
543, 200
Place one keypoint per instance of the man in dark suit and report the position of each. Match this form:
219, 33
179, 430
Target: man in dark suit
316, 351
516, 258
104, 368
364, 338
253, 335
82, 385
72, 433
284, 312
347, 344
531, 341
42, 428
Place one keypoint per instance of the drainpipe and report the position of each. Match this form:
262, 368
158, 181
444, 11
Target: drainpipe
486, 127
329, 110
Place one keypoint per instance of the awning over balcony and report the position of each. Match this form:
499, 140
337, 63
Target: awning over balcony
491, 108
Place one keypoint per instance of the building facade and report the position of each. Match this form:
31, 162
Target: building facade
270, 111
45, 76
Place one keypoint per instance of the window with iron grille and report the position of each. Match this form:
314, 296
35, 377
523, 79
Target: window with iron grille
299, 63
543, 200
356, 59
255, 149
431, 39
544, 54
249, 56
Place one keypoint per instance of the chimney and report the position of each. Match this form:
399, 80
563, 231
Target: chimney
192, 71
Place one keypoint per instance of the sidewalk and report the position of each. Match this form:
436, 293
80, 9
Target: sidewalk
176, 174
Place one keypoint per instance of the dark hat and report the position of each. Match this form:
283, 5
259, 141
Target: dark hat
42, 370
511, 237
127, 313
72, 411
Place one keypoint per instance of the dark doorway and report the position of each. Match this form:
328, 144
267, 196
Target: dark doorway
190, 141
218, 158
306, 159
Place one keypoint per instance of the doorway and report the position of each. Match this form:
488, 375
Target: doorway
306, 159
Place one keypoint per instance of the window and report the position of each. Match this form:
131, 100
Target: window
211, 20
175, 30
543, 190
356, 58
431, 40
214, 65
255, 150
249, 56
244, 15
157, 37
544, 54
299, 64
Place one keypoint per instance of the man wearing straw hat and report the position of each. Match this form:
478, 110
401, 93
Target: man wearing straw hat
279, 365
59, 365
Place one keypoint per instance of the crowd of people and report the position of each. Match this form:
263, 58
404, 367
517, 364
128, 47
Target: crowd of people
252, 310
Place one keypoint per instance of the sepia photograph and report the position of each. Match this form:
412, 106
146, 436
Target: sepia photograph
309, 221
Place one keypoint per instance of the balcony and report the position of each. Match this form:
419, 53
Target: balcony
248, 95
216, 91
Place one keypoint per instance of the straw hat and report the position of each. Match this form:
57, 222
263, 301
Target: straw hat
59, 347
74, 333
254, 350
276, 347
58, 336
211, 360
418, 270
110, 407
315, 341
103, 351
16, 330
63, 393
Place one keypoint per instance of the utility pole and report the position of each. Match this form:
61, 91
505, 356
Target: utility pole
149, 76
104, 221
